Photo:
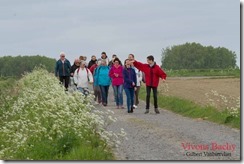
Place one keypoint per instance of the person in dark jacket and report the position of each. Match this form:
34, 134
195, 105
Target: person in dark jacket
152, 74
129, 75
92, 61
74, 67
62, 70
105, 57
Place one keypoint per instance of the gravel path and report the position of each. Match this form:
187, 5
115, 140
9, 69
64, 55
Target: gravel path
164, 136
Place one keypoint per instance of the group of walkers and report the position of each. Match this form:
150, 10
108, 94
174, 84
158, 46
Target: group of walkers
102, 73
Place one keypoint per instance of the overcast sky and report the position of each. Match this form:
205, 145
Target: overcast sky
142, 27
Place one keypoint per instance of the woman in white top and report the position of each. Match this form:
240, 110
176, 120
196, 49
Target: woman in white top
138, 86
138, 81
82, 77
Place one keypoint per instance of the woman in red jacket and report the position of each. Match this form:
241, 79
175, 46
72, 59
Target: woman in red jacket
152, 74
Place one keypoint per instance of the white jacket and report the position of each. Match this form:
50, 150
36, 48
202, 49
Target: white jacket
138, 76
81, 78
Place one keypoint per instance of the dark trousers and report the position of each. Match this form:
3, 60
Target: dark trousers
104, 93
97, 94
136, 99
64, 80
148, 88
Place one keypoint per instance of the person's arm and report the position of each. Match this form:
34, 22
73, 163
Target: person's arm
126, 77
120, 74
90, 76
161, 73
139, 65
76, 77
56, 69
134, 77
111, 73
69, 65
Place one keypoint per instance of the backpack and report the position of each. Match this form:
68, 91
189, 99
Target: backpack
86, 73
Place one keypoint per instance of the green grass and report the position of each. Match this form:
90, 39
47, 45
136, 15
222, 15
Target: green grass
190, 109
203, 72
75, 149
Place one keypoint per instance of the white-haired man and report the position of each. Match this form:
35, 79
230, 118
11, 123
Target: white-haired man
62, 70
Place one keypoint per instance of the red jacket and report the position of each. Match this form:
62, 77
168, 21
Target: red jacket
152, 74
93, 67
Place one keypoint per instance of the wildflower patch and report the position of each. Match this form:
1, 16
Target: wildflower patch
45, 123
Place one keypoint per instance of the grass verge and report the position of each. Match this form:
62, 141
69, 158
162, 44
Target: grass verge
203, 72
190, 109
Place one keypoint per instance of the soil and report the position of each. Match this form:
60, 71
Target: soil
195, 89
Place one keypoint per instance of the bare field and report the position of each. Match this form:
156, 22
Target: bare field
222, 91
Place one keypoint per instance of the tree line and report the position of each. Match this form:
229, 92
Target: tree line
195, 56
16, 66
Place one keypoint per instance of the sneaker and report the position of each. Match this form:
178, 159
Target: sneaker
156, 111
134, 106
147, 111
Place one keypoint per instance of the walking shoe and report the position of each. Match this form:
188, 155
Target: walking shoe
147, 111
156, 111
134, 106
131, 110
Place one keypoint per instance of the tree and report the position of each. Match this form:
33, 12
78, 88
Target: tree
16, 66
195, 56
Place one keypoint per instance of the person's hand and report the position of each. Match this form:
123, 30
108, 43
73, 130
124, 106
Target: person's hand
72, 74
135, 88
164, 80
131, 61
133, 84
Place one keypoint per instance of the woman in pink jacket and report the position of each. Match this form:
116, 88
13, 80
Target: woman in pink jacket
116, 74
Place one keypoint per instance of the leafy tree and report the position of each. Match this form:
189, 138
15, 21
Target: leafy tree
16, 66
195, 56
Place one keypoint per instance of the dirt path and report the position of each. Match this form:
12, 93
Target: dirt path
167, 136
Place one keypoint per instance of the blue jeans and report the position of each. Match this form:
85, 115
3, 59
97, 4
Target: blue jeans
80, 89
130, 97
118, 94
104, 93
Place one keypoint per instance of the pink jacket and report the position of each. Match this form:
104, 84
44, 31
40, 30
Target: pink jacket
116, 80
